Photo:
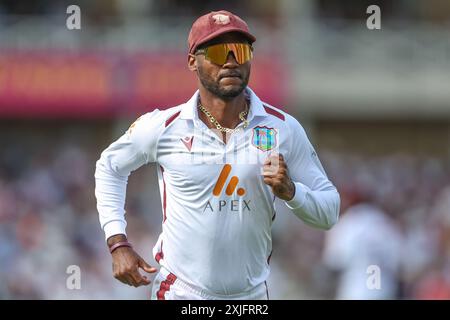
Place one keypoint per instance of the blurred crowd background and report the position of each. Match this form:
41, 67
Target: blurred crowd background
375, 103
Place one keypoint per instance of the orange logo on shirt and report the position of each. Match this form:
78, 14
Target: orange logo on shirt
231, 185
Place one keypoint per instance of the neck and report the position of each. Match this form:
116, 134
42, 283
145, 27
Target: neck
225, 111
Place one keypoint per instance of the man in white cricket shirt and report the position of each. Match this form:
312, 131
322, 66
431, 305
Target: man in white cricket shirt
223, 157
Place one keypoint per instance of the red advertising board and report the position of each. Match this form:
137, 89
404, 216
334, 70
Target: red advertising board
106, 84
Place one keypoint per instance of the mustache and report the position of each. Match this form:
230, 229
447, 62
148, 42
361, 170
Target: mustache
230, 74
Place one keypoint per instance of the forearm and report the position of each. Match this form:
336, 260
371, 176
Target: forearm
110, 191
318, 208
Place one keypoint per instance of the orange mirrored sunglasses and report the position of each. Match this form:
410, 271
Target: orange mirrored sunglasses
218, 53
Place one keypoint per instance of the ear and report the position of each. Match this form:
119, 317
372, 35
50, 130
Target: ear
192, 62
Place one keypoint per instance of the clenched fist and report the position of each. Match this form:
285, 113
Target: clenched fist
276, 175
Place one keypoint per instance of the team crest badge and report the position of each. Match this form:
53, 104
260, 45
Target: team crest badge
264, 138
221, 18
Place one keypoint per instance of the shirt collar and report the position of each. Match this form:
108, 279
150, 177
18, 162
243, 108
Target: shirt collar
190, 111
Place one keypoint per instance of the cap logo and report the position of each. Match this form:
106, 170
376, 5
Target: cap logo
221, 19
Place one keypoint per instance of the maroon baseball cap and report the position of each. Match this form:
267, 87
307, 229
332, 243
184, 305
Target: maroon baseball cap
214, 24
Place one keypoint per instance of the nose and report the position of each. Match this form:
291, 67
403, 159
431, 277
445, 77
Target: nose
231, 61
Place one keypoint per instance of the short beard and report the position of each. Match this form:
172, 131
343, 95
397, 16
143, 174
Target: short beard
215, 89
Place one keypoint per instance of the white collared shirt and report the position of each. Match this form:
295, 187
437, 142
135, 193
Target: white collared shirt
217, 211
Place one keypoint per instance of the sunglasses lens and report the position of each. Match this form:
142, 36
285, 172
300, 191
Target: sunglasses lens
218, 53
242, 52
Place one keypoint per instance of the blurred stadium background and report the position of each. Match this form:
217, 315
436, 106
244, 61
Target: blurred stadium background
376, 104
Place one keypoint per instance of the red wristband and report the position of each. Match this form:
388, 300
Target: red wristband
120, 244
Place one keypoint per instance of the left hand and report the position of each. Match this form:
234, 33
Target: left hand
276, 175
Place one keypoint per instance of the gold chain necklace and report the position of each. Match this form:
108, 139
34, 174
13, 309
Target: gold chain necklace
218, 125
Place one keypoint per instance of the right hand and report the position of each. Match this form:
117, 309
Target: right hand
126, 264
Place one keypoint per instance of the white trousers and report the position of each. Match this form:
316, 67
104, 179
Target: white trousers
166, 286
